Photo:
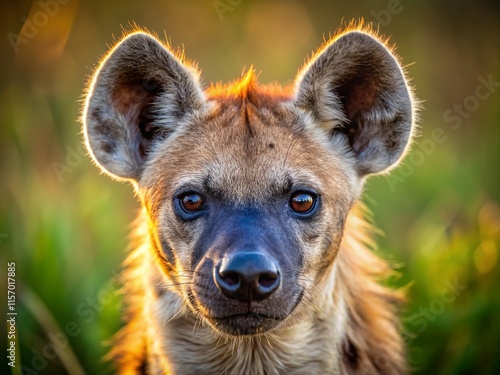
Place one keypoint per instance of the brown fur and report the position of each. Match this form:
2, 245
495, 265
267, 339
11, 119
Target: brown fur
349, 115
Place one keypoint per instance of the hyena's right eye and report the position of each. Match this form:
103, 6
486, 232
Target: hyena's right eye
192, 202
189, 206
303, 202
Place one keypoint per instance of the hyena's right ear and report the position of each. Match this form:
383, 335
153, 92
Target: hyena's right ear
140, 93
355, 88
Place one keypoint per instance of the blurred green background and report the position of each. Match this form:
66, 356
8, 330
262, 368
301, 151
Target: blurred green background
66, 226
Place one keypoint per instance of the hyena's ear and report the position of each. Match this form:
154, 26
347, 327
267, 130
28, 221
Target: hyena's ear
356, 87
140, 93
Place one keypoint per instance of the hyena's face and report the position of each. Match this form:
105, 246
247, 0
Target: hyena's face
248, 210
247, 189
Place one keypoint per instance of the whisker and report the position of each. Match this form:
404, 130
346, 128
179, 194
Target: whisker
173, 317
177, 284
268, 342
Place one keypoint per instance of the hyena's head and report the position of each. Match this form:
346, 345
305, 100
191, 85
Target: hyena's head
247, 188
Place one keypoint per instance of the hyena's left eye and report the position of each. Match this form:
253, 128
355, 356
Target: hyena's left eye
303, 202
189, 206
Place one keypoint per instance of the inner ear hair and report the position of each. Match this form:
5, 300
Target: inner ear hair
141, 92
354, 86
136, 100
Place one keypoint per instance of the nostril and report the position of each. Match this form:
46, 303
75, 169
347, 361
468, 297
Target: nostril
268, 280
230, 278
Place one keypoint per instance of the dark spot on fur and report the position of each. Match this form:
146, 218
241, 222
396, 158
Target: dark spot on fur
95, 115
105, 127
340, 224
168, 252
350, 353
159, 291
108, 147
151, 85
142, 370
271, 145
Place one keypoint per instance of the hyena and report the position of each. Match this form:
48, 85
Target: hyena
252, 255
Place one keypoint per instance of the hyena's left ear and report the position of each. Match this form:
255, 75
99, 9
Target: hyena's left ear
140, 92
356, 87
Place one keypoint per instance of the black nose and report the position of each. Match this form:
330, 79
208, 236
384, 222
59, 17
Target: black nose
247, 276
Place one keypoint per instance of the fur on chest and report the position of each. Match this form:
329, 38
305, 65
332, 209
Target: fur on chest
184, 345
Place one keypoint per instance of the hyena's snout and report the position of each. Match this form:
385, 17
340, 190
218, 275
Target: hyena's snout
247, 275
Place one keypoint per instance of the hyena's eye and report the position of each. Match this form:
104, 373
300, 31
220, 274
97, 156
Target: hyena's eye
189, 206
192, 202
303, 202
